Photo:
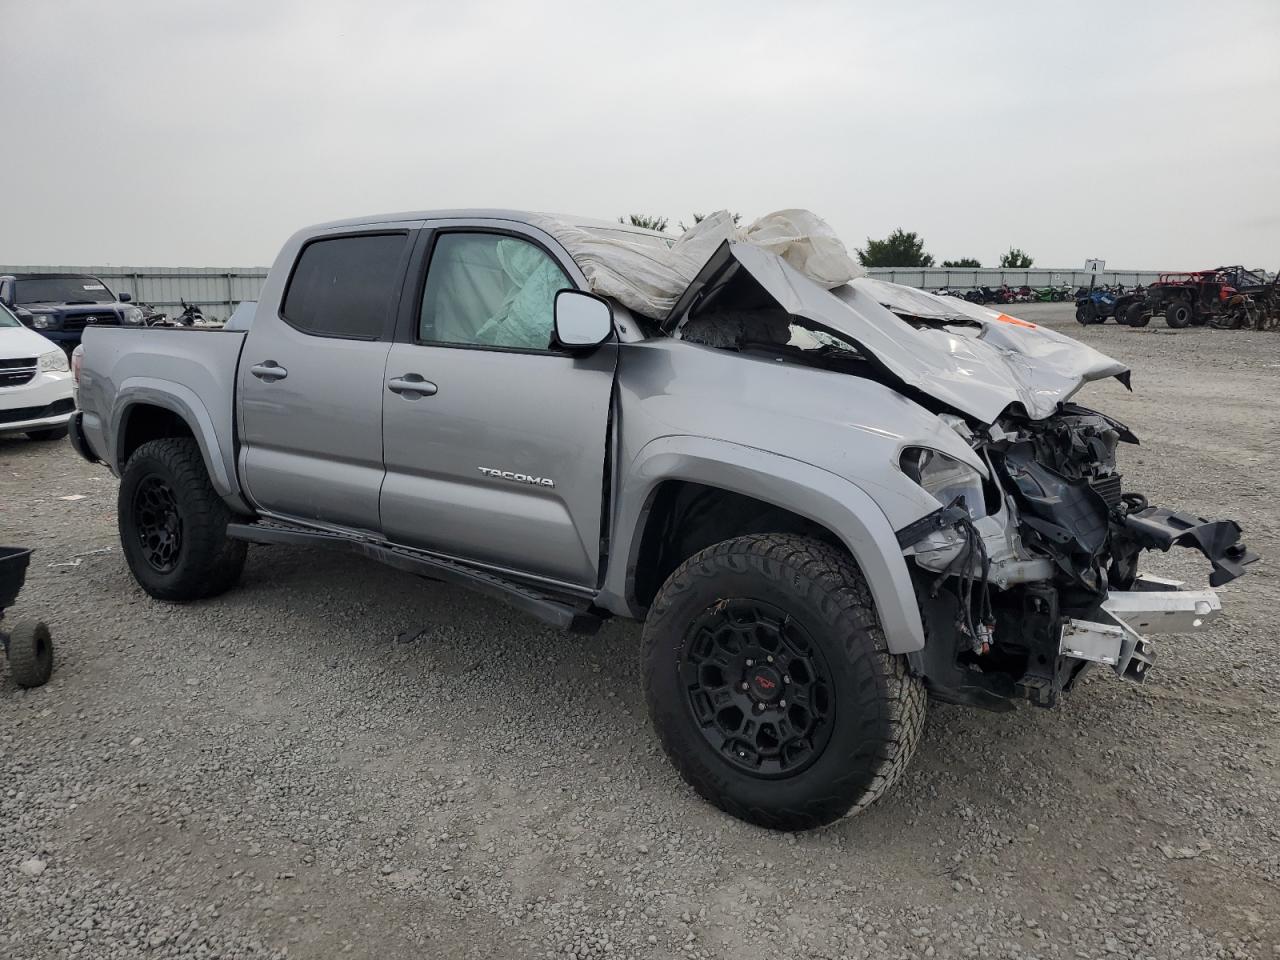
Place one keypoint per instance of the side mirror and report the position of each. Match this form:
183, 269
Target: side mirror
583, 320
126, 297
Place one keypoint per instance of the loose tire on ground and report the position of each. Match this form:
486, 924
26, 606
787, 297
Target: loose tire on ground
173, 525
1178, 314
55, 433
30, 653
875, 708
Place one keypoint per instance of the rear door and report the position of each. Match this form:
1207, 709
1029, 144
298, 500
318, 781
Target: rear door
310, 382
494, 440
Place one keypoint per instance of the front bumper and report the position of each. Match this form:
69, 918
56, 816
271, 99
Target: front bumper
63, 338
44, 403
1121, 641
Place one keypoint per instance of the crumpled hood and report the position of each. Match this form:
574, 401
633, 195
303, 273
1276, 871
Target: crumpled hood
978, 363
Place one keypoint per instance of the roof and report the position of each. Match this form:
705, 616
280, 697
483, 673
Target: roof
495, 213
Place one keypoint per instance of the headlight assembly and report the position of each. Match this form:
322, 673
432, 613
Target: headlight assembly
945, 478
40, 321
55, 361
132, 315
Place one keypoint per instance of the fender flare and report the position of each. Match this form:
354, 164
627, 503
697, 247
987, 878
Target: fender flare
835, 503
182, 400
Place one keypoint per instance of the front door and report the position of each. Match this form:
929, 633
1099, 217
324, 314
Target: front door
494, 440
311, 381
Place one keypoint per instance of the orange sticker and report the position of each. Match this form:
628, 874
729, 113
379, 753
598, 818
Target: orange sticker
1005, 318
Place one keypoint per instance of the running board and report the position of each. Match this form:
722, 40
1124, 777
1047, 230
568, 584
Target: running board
561, 613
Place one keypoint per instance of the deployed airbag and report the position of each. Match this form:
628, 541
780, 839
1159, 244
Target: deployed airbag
648, 274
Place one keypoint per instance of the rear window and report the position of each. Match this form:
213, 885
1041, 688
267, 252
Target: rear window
345, 287
62, 290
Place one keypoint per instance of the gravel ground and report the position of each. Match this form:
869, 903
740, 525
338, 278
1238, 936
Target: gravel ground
337, 759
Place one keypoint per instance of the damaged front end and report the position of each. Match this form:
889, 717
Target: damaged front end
1028, 573
1022, 593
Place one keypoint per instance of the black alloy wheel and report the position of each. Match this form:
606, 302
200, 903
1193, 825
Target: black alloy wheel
758, 688
158, 523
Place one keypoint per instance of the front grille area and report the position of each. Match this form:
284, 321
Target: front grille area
14, 373
19, 414
1109, 488
101, 318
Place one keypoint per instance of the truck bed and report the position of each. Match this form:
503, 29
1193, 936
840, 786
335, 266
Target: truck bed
187, 370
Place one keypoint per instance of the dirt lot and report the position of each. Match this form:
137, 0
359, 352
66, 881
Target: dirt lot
337, 759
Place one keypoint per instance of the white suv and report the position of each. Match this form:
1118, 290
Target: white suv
35, 383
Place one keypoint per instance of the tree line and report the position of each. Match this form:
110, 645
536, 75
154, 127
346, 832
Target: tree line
906, 249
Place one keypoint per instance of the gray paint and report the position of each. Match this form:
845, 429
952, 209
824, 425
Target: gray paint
331, 445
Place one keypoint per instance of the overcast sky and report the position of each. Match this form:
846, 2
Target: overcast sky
182, 133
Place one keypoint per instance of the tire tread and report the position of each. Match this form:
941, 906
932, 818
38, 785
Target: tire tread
214, 562
894, 700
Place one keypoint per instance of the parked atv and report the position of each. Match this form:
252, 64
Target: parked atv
1095, 306
1103, 302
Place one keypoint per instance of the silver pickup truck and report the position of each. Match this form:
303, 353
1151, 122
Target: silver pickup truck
826, 505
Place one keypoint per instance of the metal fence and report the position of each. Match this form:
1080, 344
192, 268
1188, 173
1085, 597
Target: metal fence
217, 290
936, 278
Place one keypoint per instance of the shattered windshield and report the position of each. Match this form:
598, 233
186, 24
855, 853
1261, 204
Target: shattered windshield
62, 290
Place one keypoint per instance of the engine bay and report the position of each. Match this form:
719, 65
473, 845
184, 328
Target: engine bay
1055, 540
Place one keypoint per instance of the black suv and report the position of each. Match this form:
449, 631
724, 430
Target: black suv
61, 305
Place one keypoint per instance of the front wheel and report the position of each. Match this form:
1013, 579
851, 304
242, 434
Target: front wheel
770, 685
173, 524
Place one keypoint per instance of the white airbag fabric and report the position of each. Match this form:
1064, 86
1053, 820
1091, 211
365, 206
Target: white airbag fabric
648, 273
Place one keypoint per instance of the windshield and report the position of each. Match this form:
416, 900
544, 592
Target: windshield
62, 290
7, 319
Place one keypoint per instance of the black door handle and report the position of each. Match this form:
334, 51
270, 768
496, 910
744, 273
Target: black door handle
268, 370
412, 384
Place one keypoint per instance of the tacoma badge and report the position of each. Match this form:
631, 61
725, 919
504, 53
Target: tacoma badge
517, 477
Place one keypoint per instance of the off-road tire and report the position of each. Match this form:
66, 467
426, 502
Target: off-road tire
54, 433
1081, 316
207, 562
879, 708
1135, 316
30, 653
1178, 314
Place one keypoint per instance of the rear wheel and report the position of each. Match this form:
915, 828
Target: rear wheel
1178, 314
770, 685
173, 524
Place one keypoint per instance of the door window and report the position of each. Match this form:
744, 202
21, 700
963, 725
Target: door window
345, 286
490, 290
